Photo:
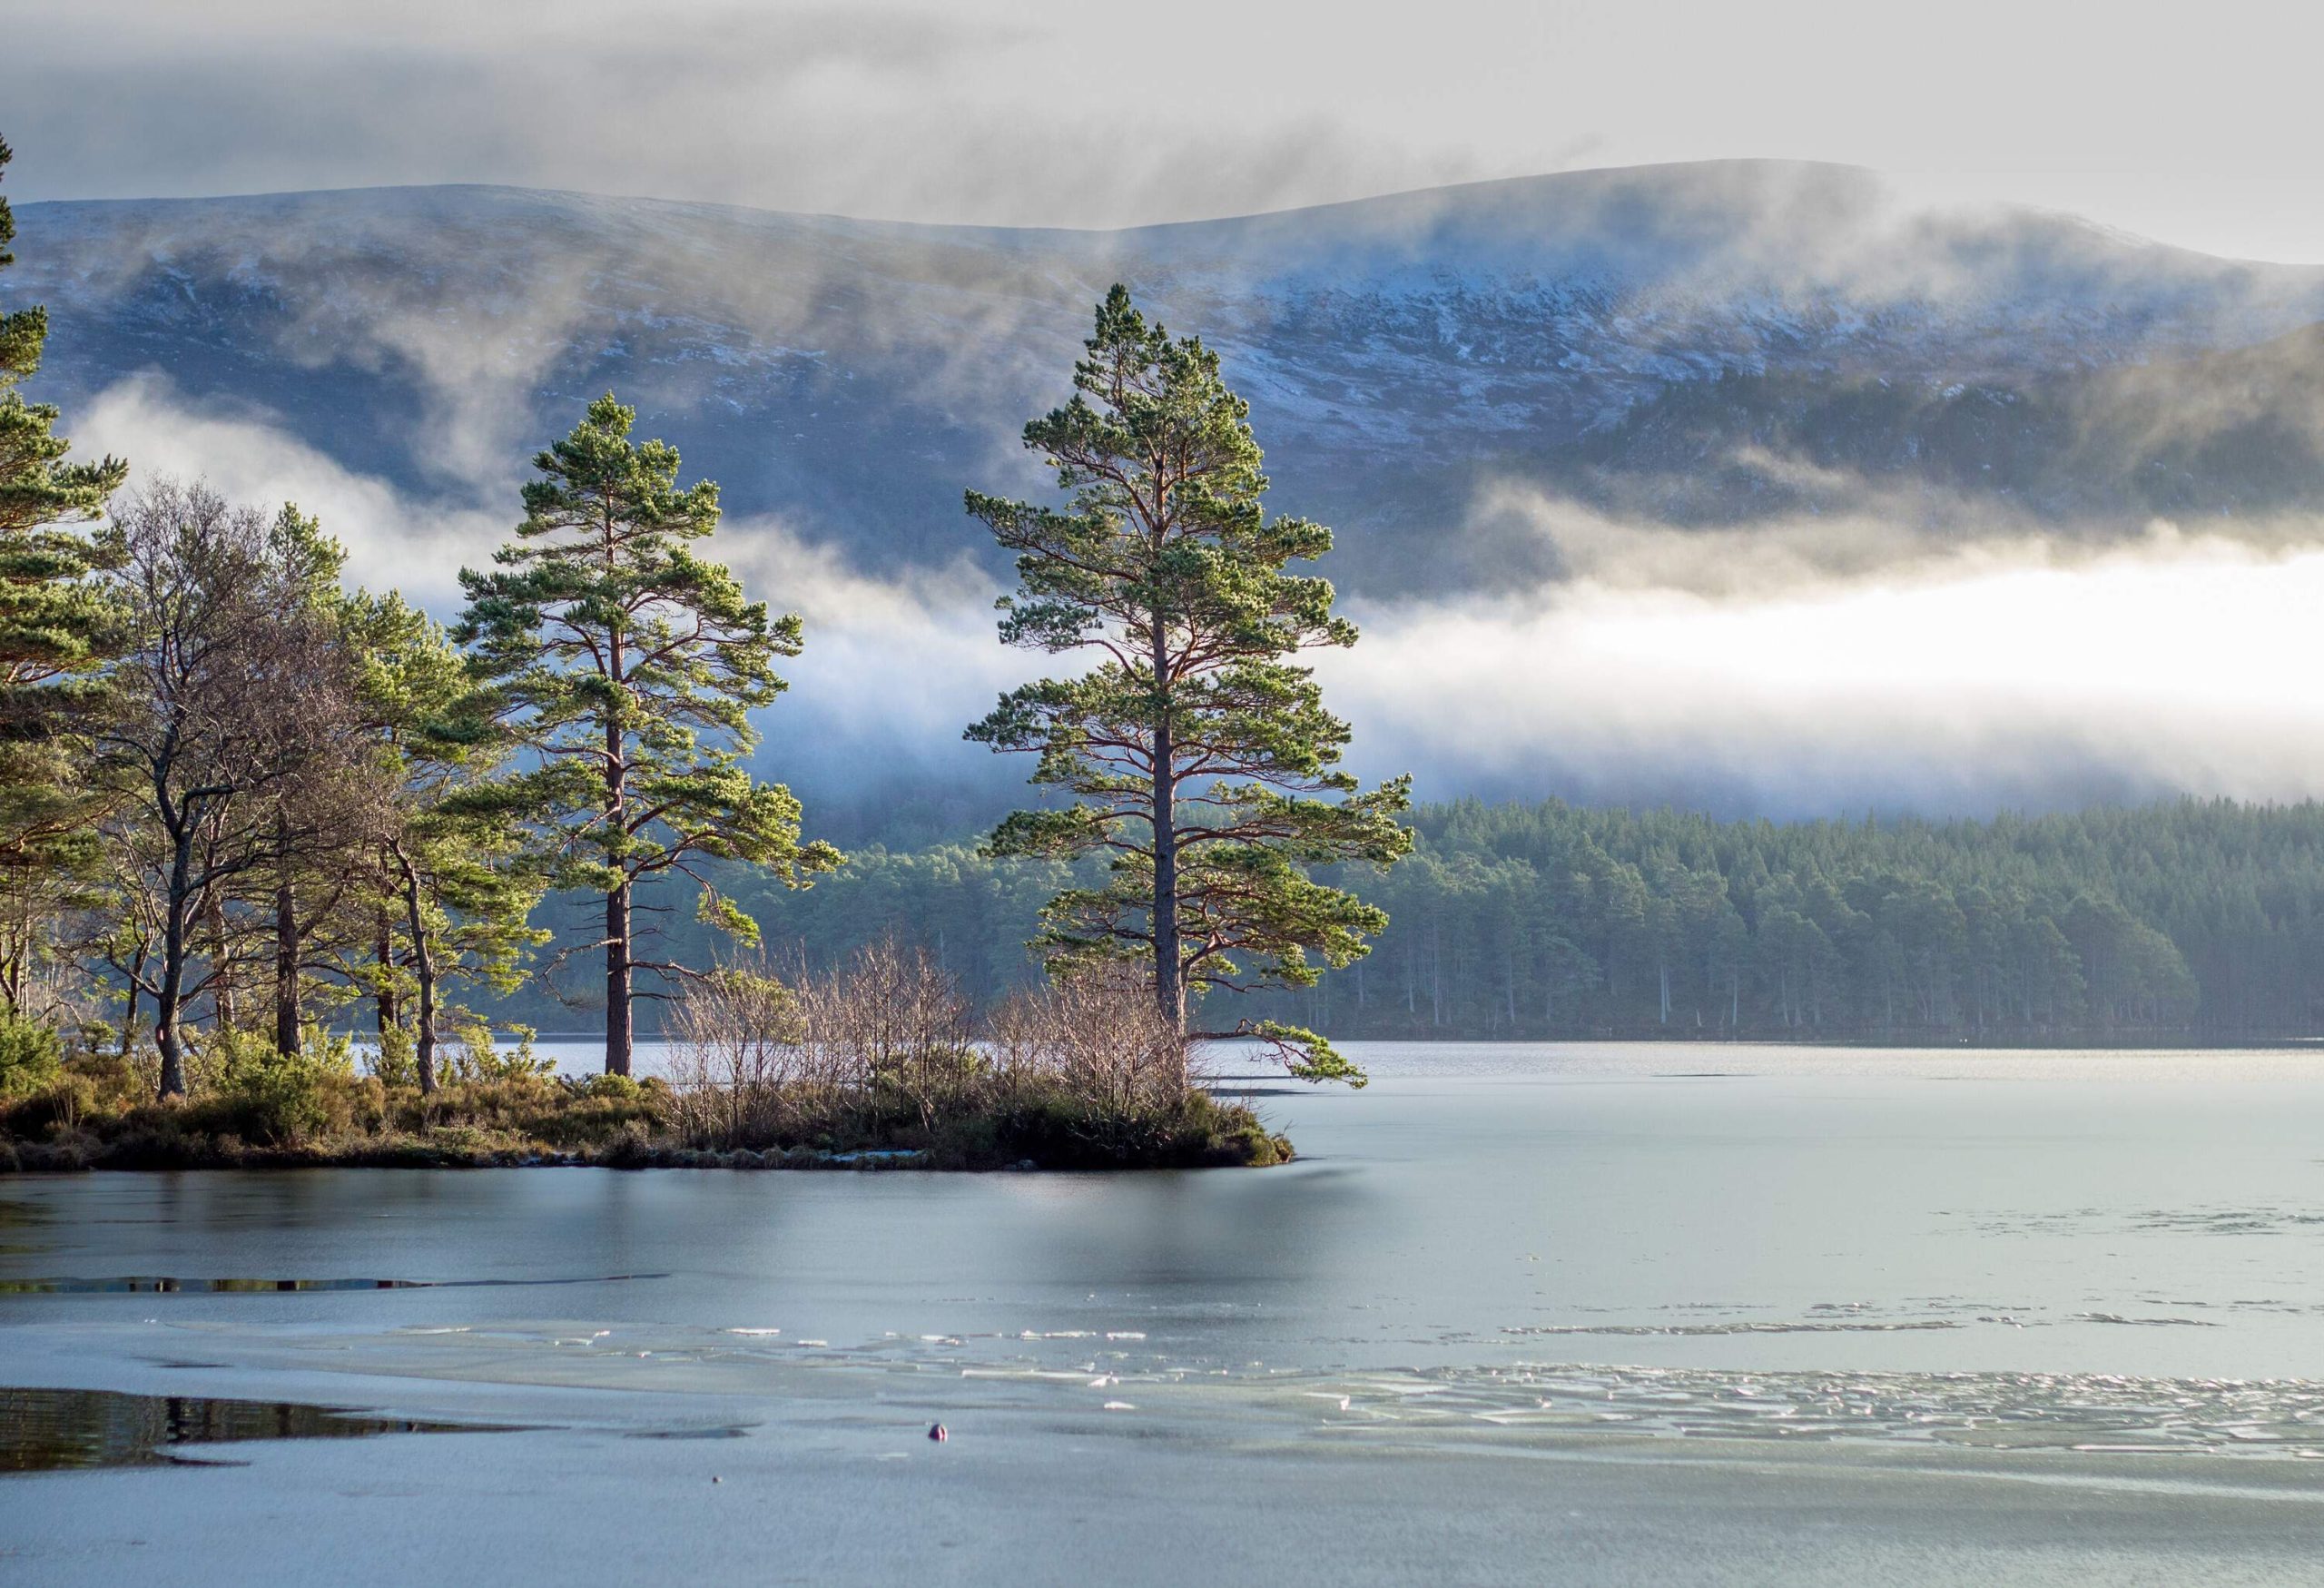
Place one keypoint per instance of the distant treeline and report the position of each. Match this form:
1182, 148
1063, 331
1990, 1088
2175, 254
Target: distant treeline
2190, 920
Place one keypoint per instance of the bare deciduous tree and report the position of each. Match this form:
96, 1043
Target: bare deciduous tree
1101, 1036
230, 709
738, 1066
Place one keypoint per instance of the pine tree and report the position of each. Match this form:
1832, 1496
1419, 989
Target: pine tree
452, 894
56, 626
627, 666
1200, 758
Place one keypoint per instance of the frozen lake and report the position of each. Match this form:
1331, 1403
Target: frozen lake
1572, 1313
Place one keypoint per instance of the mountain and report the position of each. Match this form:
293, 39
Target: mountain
1687, 343
2234, 434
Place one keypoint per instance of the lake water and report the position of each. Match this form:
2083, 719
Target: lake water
1557, 1313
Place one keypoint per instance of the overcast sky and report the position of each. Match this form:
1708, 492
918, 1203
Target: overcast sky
2194, 123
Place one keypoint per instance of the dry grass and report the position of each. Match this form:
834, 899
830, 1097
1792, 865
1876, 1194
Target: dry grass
882, 1054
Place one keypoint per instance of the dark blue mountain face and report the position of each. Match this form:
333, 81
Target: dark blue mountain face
1664, 343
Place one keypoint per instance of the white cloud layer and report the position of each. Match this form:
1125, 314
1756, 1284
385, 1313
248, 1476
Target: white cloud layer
392, 542
1767, 672
2034, 674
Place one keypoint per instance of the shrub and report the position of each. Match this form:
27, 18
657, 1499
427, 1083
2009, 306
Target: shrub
30, 1055
489, 1105
115, 1082
739, 1071
273, 1097
1058, 1129
58, 1107
618, 1089
474, 1054
629, 1148
87, 1088
892, 1027
883, 1043
395, 1062
1099, 1039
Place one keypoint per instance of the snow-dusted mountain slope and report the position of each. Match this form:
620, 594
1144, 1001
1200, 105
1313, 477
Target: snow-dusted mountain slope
1666, 342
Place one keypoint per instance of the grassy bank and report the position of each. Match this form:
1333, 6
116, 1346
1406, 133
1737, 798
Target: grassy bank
96, 1113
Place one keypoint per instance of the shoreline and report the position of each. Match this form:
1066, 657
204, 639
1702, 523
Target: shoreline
42, 1159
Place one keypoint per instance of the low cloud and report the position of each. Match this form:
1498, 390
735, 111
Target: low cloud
392, 540
1825, 667
2029, 675
1875, 535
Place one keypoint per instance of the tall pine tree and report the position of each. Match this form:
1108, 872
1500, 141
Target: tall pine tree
627, 667
1198, 754
56, 626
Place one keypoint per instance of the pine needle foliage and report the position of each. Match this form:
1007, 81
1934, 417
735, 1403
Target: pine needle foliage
626, 668
1196, 751
57, 628
454, 884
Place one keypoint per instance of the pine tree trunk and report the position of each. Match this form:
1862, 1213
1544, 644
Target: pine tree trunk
286, 965
165, 1040
618, 1034
617, 1010
424, 1040
1169, 992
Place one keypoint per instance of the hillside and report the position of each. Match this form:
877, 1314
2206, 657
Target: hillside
2233, 434
1642, 338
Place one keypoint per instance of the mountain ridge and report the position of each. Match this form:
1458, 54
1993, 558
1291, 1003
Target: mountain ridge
1404, 354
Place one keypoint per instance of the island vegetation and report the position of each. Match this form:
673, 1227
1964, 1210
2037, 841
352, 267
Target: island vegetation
248, 815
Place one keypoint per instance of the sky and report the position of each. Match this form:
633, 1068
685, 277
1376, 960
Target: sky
2191, 124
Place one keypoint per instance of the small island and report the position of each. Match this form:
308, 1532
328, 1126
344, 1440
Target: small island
877, 1065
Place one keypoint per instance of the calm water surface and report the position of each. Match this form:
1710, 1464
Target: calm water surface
1502, 1275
